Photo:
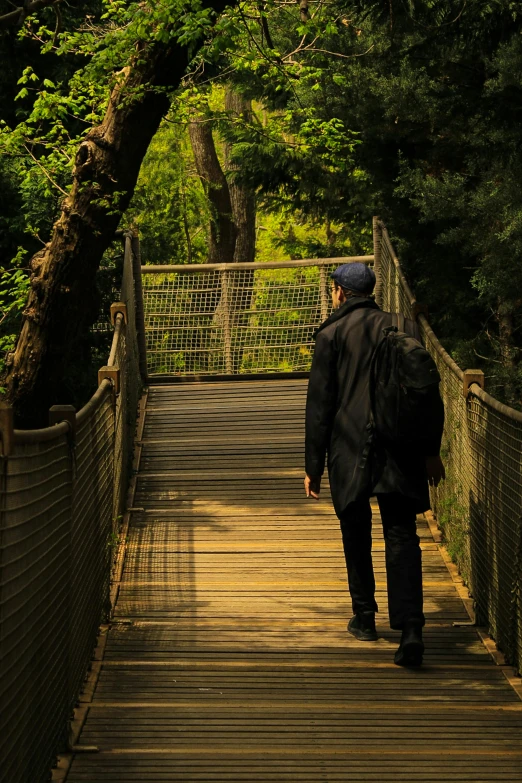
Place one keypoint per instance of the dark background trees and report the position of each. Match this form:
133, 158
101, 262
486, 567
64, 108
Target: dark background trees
432, 96
319, 114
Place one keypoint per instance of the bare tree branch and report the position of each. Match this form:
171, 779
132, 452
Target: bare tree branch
51, 180
58, 28
444, 24
264, 25
335, 54
29, 7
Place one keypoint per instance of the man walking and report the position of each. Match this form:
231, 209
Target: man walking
339, 422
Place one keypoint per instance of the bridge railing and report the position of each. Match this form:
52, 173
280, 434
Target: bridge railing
62, 495
63, 488
479, 506
233, 319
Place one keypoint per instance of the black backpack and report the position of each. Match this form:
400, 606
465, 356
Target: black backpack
404, 388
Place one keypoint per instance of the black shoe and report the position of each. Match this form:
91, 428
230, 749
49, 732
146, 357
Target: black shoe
411, 648
362, 626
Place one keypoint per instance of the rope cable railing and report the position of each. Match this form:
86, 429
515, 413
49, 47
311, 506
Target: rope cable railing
479, 506
63, 491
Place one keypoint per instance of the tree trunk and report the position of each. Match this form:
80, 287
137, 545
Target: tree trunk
505, 333
62, 303
209, 300
244, 210
232, 235
242, 197
222, 226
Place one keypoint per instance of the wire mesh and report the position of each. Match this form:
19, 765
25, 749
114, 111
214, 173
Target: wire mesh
495, 503
125, 356
62, 491
91, 531
479, 505
34, 605
227, 320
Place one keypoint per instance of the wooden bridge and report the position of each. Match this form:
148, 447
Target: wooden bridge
229, 659
213, 593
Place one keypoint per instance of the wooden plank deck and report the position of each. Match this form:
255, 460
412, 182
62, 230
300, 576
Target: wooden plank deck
230, 659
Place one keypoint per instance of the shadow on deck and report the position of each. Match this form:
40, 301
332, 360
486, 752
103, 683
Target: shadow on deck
233, 662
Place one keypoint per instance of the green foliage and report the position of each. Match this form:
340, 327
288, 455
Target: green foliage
14, 286
414, 112
286, 234
299, 159
453, 518
169, 206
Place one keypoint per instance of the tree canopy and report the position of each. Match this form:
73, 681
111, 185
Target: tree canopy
409, 109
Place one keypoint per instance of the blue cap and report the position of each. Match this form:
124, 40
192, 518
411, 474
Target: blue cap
356, 277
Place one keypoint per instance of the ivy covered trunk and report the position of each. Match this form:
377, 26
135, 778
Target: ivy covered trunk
62, 303
244, 210
242, 198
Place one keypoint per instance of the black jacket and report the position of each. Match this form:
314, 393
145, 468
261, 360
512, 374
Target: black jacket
338, 413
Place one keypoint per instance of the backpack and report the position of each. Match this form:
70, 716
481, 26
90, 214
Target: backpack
404, 388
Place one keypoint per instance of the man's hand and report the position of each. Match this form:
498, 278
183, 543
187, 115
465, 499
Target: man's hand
312, 487
435, 471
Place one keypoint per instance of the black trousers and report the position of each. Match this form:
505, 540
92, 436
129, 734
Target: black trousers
403, 558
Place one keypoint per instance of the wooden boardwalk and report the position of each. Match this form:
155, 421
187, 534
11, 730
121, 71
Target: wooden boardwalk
229, 659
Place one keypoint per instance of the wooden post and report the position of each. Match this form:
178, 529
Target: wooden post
6, 429
388, 302
325, 299
419, 308
377, 240
118, 307
113, 374
59, 413
138, 306
227, 322
470, 377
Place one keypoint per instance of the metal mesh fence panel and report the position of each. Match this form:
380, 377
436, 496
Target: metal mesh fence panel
235, 319
395, 294
118, 359
91, 530
495, 507
35, 550
451, 500
125, 356
479, 505
62, 490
